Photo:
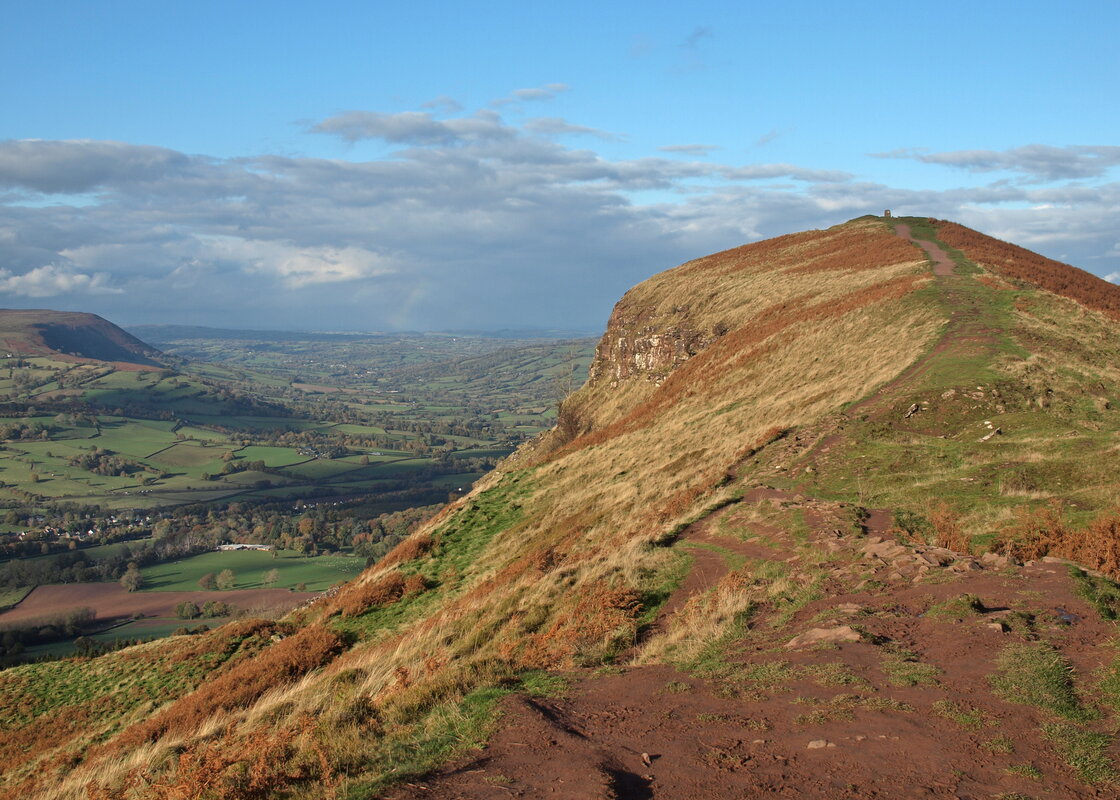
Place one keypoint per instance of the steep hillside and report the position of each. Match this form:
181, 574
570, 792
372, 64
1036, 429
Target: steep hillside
800, 534
72, 336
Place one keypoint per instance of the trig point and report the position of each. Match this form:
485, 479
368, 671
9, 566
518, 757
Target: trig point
887, 213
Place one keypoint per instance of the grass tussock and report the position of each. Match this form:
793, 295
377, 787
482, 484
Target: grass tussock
972, 719
1085, 751
283, 662
1035, 674
382, 592
903, 668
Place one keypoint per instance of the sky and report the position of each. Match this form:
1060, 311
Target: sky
373, 166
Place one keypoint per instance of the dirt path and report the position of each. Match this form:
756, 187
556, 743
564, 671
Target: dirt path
942, 264
968, 334
778, 729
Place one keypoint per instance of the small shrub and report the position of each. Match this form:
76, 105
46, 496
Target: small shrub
187, 610
408, 550
388, 589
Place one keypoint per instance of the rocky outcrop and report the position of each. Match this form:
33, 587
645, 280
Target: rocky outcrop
643, 345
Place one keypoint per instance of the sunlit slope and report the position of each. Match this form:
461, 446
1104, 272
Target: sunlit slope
1013, 410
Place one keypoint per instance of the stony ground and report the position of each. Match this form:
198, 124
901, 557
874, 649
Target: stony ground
878, 689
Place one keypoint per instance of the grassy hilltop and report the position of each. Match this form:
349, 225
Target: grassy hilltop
806, 530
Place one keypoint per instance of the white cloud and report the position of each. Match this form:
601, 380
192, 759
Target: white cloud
553, 126
293, 266
690, 149
82, 165
50, 280
535, 94
1035, 161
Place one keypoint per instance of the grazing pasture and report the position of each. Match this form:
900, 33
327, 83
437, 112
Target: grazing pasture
317, 573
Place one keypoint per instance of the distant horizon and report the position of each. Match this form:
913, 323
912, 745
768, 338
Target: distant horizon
482, 332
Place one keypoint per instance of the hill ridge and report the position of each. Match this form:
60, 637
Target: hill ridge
73, 335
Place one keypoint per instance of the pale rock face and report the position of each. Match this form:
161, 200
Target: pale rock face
642, 347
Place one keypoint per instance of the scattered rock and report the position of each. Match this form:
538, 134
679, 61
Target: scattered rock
817, 744
845, 633
914, 409
995, 432
998, 627
936, 558
848, 609
995, 560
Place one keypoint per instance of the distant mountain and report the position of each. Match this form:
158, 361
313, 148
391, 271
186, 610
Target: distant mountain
72, 335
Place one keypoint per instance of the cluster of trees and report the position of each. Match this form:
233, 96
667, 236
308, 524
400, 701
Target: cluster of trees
100, 461
312, 531
24, 431
209, 610
76, 566
224, 580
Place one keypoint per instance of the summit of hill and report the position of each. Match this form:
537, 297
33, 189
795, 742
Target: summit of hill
73, 336
834, 516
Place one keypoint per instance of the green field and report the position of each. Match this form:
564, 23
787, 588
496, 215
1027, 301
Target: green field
9, 597
317, 573
158, 438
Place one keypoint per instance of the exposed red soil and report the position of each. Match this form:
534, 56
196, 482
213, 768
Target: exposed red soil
110, 602
942, 264
655, 732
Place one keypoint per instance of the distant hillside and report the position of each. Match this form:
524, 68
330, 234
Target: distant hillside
72, 334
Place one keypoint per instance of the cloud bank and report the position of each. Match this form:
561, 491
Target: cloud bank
468, 220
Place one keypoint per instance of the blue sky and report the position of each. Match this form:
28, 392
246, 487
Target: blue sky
370, 166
